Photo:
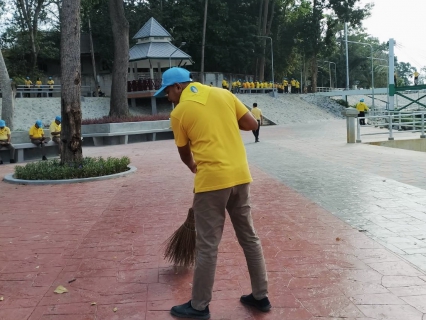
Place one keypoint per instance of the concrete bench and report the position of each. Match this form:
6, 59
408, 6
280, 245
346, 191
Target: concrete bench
20, 148
107, 138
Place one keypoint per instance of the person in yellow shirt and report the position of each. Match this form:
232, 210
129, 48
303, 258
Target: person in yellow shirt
50, 83
38, 86
416, 78
206, 124
293, 85
224, 84
297, 86
285, 83
55, 132
37, 137
28, 84
362, 108
257, 114
5, 141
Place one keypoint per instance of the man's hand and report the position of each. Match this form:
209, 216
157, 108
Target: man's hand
193, 167
186, 157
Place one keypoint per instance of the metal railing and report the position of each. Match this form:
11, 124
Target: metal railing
394, 120
47, 91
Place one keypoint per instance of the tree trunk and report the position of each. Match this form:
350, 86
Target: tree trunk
71, 82
120, 30
264, 23
7, 94
314, 73
30, 13
203, 44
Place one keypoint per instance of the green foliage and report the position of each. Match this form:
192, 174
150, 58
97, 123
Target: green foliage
88, 167
343, 103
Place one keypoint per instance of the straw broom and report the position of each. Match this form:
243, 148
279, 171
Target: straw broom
180, 246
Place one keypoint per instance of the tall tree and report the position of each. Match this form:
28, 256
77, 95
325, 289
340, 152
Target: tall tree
120, 30
70, 82
7, 94
321, 27
29, 13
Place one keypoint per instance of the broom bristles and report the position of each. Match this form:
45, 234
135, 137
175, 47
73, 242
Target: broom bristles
180, 246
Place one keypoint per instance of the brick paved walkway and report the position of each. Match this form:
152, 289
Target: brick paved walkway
342, 236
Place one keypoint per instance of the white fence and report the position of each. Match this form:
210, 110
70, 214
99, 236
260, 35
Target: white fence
406, 121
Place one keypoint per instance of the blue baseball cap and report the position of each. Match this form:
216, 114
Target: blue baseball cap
362, 100
2, 123
58, 118
39, 123
172, 76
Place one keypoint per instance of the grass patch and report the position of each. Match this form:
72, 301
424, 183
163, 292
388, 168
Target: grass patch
130, 118
86, 168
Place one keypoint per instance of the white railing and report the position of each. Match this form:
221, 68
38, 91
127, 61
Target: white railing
390, 119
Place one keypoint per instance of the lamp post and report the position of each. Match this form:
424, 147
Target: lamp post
372, 70
335, 72
170, 57
272, 60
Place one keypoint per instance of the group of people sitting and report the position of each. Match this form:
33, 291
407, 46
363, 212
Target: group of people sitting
36, 135
38, 86
292, 86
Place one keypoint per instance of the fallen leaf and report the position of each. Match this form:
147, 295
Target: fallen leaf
115, 309
1, 298
93, 304
60, 289
337, 239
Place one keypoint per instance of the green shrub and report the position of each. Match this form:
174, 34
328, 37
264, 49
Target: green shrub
86, 168
343, 103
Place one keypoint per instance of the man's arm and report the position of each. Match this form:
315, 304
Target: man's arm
247, 122
8, 137
187, 158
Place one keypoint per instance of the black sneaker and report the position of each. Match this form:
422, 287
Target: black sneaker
44, 158
263, 305
12, 161
187, 311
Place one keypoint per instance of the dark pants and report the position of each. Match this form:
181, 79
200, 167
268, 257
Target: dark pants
285, 89
41, 143
361, 121
50, 93
39, 93
5, 145
256, 132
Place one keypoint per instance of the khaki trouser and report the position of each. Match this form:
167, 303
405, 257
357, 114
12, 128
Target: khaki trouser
57, 140
209, 211
8, 146
41, 142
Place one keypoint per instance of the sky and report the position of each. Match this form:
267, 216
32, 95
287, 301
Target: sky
404, 22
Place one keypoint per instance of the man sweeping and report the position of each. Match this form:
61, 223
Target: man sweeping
206, 123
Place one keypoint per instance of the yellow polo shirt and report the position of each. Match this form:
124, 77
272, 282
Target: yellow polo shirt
54, 128
36, 132
38, 83
207, 118
4, 132
51, 83
257, 113
28, 83
361, 106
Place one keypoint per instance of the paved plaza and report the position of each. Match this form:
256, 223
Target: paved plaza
343, 228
